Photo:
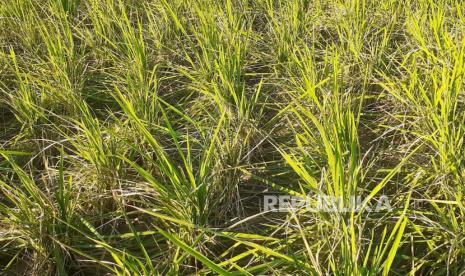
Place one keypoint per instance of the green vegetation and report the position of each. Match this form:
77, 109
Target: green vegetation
139, 137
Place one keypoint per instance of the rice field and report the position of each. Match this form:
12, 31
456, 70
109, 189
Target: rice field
176, 137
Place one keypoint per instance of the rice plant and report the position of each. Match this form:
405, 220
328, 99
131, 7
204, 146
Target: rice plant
232, 137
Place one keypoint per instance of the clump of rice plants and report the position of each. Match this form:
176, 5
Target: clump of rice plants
232, 137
